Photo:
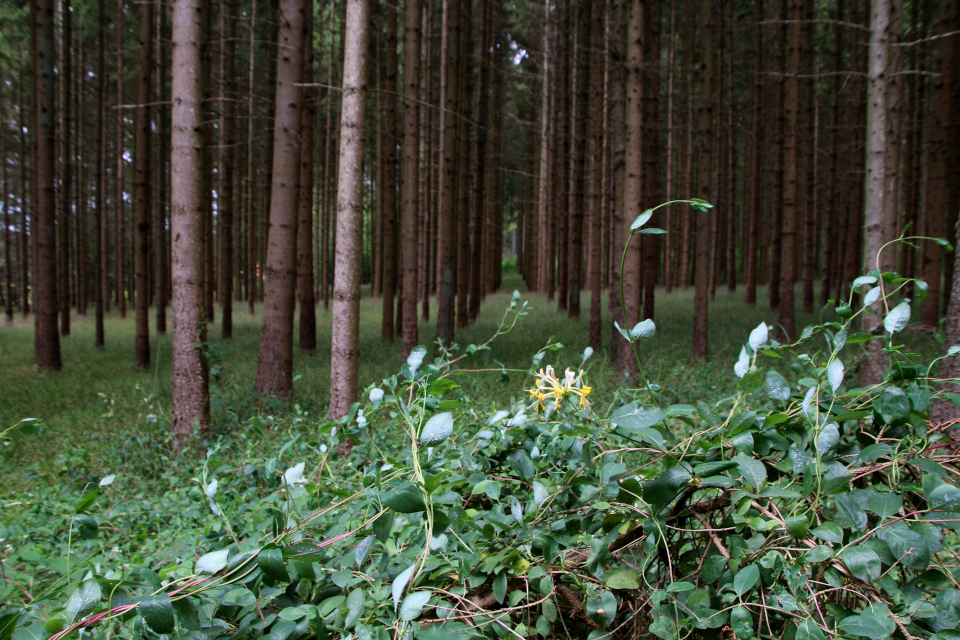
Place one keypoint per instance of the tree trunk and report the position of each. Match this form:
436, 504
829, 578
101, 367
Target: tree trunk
388, 280
66, 167
480, 186
595, 170
830, 222
142, 187
8, 221
191, 406
410, 185
345, 349
756, 161
308, 306
275, 357
252, 223
47, 336
944, 410
777, 213
544, 215
652, 195
226, 200
99, 251
705, 174
874, 193
938, 172
464, 167
119, 286
578, 116
786, 316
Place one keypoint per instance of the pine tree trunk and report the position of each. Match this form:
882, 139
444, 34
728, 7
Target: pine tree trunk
47, 336
874, 192
595, 170
8, 221
308, 306
830, 222
99, 250
66, 167
464, 165
786, 316
275, 356
388, 280
652, 194
345, 349
160, 228
191, 406
477, 248
226, 171
119, 286
252, 224
410, 169
142, 187
544, 215
704, 177
577, 158
938, 166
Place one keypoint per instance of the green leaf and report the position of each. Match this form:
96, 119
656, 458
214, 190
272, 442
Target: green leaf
382, 526
355, 602
849, 512
777, 386
835, 374
602, 610
641, 219
437, 429
400, 583
866, 625
758, 337
818, 554
86, 527
808, 630
863, 563
741, 621
828, 438
520, 461
874, 451
500, 586
862, 280
643, 330
83, 600
798, 526
87, 500
905, 545
632, 417
621, 580
270, 560
404, 498
211, 563
746, 579
752, 470
706, 469
829, 532
599, 554
893, 405
241, 597
898, 318
305, 551
363, 550
945, 497
884, 504
412, 605
653, 231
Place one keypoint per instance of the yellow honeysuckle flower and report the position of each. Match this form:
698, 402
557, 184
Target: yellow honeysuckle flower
548, 385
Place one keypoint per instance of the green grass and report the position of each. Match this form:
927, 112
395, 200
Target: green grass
98, 411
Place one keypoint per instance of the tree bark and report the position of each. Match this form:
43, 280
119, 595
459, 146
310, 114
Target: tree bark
388, 280
226, 200
99, 249
410, 185
874, 193
161, 246
66, 167
652, 194
705, 174
756, 162
345, 349
142, 187
595, 170
308, 305
275, 357
786, 316
119, 246
47, 335
191, 406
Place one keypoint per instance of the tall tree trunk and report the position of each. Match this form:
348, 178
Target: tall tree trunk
389, 229
652, 195
191, 405
938, 172
633, 183
47, 336
66, 167
786, 316
119, 288
275, 357
480, 186
595, 170
252, 223
449, 145
578, 117
161, 246
544, 214
874, 193
830, 222
345, 349
308, 306
777, 213
410, 185
756, 162
944, 410
142, 187
464, 166
705, 174
99, 250
226, 174
731, 160
8, 221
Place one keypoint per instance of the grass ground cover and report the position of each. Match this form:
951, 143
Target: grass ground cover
101, 408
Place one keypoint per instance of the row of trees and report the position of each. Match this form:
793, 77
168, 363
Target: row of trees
817, 130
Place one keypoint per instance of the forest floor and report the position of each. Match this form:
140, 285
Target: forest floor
101, 412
